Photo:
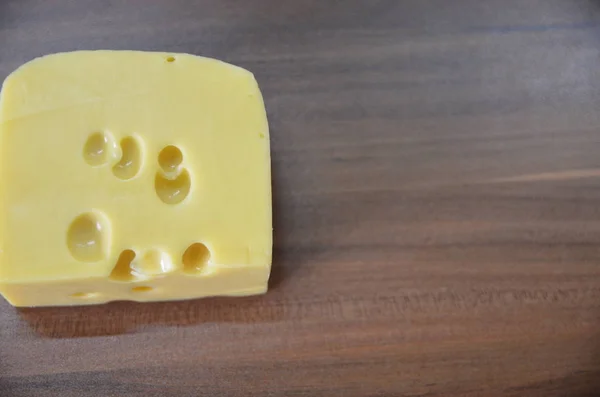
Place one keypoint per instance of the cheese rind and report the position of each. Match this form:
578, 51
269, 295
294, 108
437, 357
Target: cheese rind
132, 175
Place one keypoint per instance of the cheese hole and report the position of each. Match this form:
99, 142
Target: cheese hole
142, 288
88, 237
131, 159
97, 150
123, 268
169, 158
172, 191
84, 295
153, 263
195, 258
170, 59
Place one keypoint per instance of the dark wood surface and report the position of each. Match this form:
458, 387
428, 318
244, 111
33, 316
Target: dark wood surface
436, 171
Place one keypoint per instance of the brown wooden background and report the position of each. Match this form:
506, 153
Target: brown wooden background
436, 169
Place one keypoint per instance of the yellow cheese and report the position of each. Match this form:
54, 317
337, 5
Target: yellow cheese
132, 176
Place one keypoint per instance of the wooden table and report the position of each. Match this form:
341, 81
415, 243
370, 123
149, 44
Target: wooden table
436, 171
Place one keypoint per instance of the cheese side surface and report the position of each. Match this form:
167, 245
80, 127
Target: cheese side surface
129, 175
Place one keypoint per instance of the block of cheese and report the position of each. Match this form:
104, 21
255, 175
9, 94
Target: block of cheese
129, 175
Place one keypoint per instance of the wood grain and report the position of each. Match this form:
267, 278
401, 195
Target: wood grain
436, 171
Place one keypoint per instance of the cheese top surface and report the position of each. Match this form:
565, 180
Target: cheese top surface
130, 166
